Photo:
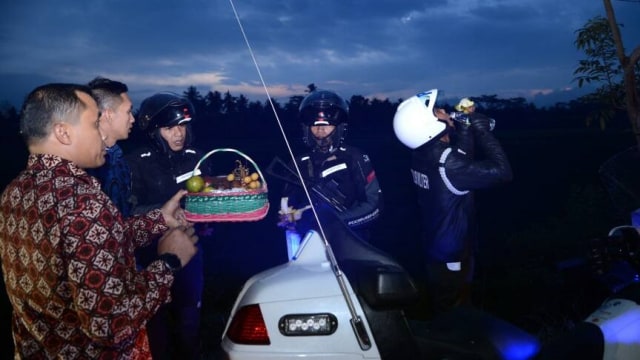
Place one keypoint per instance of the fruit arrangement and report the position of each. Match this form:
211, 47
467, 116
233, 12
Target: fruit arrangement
241, 178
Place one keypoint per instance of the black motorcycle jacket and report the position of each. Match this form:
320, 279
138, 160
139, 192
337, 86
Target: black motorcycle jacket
157, 175
445, 177
344, 179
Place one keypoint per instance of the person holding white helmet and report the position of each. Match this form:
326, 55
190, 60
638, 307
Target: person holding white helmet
446, 172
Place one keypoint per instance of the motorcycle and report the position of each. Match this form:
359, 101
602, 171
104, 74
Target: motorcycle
346, 299
613, 330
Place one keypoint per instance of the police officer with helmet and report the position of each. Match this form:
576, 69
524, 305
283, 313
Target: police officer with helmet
159, 170
449, 162
336, 174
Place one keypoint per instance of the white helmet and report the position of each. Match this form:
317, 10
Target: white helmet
415, 123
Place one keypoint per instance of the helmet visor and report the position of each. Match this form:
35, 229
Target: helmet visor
179, 112
323, 107
428, 98
175, 112
328, 116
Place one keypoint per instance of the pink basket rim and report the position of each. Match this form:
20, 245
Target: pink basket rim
229, 217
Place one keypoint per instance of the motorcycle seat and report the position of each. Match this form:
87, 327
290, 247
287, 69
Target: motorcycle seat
374, 275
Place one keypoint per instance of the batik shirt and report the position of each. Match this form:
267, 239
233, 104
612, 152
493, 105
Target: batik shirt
68, 265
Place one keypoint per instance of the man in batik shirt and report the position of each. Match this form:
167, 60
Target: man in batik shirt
67, 254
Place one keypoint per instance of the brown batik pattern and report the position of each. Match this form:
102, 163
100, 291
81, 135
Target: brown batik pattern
68, 265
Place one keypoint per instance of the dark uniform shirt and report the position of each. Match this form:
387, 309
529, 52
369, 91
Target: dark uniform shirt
445, 177
345, 179
115, 177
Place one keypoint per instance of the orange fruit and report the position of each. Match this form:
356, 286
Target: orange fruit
195, 184
255, 176
254, 184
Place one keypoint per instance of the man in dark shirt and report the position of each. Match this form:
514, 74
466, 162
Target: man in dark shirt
116, 120
447, 167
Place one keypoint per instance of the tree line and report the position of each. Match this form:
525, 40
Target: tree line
226, 119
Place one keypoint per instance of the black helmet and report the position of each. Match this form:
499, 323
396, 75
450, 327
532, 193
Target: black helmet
323, 107
164, 109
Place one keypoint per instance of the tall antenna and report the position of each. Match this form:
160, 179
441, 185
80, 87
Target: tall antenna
356, 321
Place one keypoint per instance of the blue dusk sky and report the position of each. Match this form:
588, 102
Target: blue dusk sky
375, 48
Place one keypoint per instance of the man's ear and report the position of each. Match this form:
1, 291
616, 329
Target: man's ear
105, 116
62, 132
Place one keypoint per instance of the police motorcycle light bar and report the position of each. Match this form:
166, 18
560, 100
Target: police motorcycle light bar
308, 324
357, 323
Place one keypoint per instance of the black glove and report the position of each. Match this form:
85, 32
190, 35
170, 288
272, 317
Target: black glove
480, 122
463, 138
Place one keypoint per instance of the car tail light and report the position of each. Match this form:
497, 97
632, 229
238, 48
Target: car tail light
248, 327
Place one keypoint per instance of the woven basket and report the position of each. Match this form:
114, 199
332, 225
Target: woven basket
228, 205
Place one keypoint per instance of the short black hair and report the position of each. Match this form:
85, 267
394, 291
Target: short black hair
107, 92
48, 104
102, 83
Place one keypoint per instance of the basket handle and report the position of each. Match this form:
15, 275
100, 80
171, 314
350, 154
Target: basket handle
264, 180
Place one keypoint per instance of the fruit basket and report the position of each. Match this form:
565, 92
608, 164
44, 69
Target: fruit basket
234, 202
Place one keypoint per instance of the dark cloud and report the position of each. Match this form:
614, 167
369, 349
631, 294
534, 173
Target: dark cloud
382, 48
